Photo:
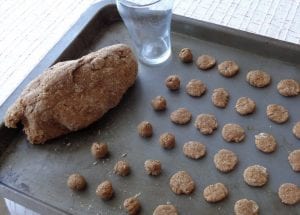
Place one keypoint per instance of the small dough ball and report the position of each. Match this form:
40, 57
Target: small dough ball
245, 105
181, 116
194, 150
206, 123
277, 113
132, 205
165, 210
256, 175
153, 167
228, 68
182, 183
265, 142
289, 193
205, 62
99, 150
233, 133
220, 97
225, 160
294, 160
215, 192
296, 130
185, 55
195, 88
76, 182
159, 103
288, 87
173, 82
105, 190
246, 207
122, 168
145, 129
167, 140
258, 78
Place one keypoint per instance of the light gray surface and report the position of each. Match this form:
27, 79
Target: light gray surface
41, 171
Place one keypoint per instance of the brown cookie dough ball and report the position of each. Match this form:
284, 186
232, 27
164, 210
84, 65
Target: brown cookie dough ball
206, 123
76, 182
246, 207
132, 205
182, 183
258, 78
215, 192
165, 210
289, 193
122, 168
296, 130
194, 149
288, 87
195, 88
233, 133
167, 140
173, 82
225, 160
228, 68
99, 150
181, 116
205, 62
153, 167
185, 55
145, 129
220, 97
277, 113
159, 103
245, 105
265, 142
105, 190
256, 175
294, 160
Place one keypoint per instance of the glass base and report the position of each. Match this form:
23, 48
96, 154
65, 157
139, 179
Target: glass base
147, 59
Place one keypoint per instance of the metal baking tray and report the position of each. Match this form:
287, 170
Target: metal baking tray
35, 175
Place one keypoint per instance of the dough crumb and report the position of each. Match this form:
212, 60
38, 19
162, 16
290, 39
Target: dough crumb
185, 55
233, 133
76, 182
153, 167
165, 210
132, 205
289, 193
256, 175
288, 87
225, 160
105, 190
173, 82
220, 97
277, 113
294, 160
246, 207
206, 123
181, 116
195, 88
159, 103
145, 129
205, 62
167, 140
122, 168
228, 68
215, 192
182, 183
194, 150
99, 150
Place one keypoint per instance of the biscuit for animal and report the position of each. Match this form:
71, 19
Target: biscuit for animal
258, 78
225, 160
206, 123
99, 150
277, 113
132, 205
194, 149
195, 88
167, 140
294, 160
153, 167
173, 82
244, 106
288, 87
256, 175
220, 97
145, 129
215, 192
159, 103
228, 68
165, 210
122, 168
205, 62
76, 182
233, 133
289, 193
246, 207
182, 183
265, 142
181, 116
296, 130
105, 190
185, 55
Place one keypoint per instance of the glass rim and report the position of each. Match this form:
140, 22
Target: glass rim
131, 4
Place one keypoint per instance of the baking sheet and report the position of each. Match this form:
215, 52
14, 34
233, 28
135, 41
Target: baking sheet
36, 175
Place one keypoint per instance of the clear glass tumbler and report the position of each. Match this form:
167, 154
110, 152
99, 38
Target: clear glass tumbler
148, 23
